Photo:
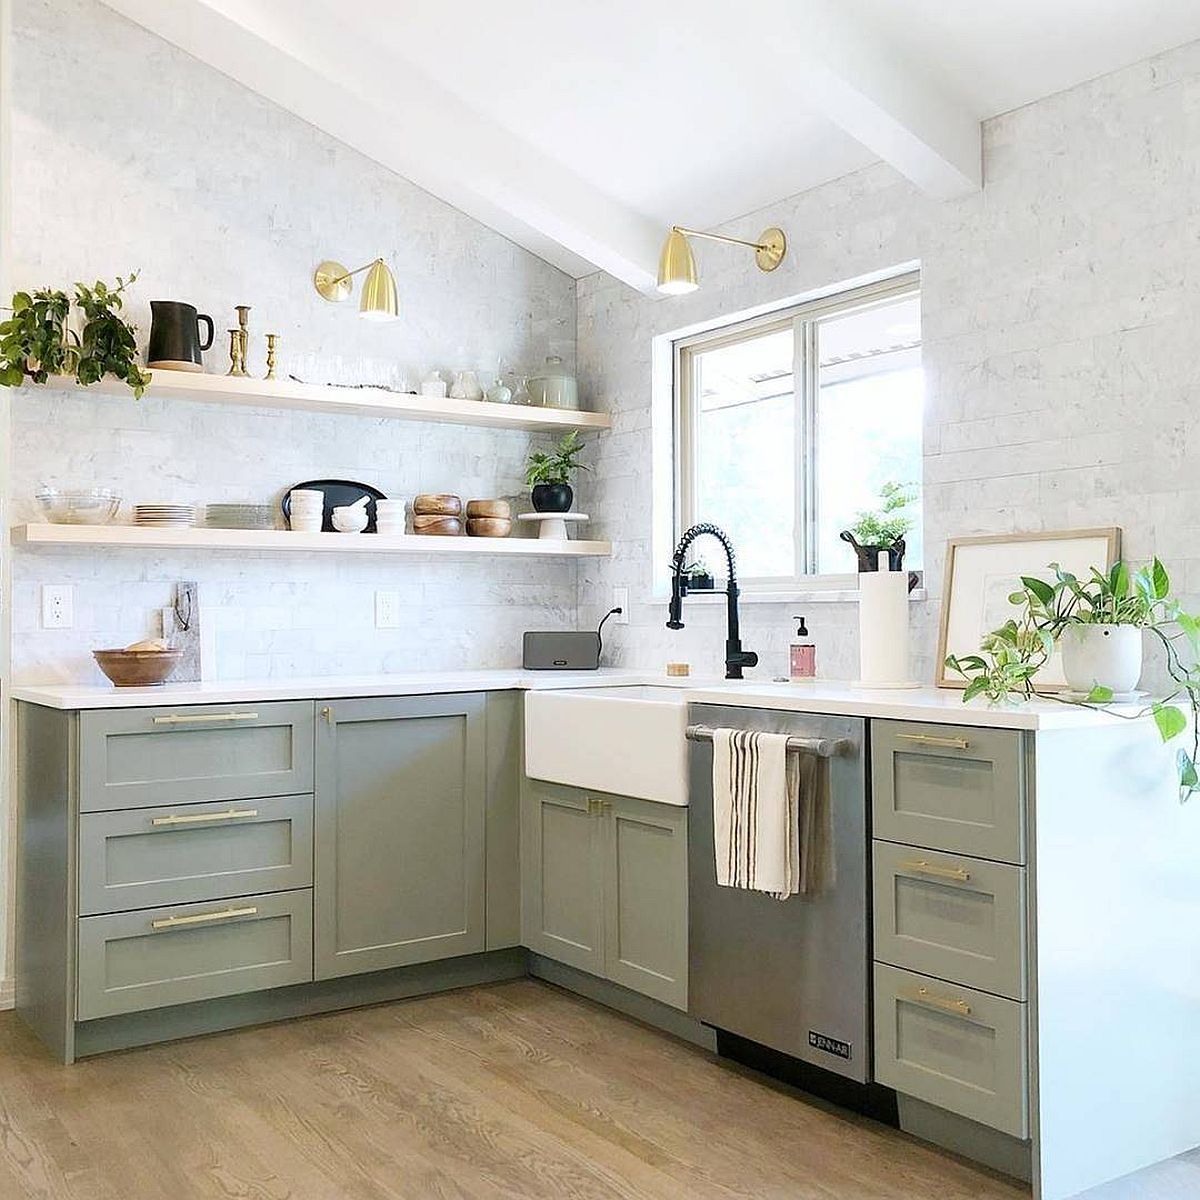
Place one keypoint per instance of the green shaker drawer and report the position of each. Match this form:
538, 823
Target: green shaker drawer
957, 1048
143, 857
130, 758
130, 962
955, 917
949, 787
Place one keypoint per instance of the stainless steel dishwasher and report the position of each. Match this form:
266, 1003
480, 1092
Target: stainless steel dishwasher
790, 975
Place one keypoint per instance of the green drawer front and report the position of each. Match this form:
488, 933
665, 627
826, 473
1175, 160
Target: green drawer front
144, 857
196, 952
957, 1048
951, 916
150, 757
949, 787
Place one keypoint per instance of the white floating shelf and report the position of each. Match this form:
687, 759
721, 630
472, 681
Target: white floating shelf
375, 402
284, 541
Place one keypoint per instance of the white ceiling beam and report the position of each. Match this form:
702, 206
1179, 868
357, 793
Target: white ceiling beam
411, 124
854, 78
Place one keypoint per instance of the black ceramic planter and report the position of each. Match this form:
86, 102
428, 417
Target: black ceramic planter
552, 497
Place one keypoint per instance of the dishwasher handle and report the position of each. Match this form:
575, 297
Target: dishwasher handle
821, 747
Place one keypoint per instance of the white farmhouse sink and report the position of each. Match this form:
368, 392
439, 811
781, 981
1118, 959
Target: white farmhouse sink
625, 740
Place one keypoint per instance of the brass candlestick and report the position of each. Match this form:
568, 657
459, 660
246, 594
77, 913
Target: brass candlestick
272, 342
243, 312
237, 362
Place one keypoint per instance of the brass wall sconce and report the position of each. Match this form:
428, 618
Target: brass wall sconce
378, 303
677, 272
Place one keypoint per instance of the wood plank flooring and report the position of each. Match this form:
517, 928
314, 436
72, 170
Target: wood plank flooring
513, 1090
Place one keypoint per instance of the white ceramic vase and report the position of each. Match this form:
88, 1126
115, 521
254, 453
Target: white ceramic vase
1105, 655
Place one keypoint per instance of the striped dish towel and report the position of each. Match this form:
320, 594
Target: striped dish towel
772, 823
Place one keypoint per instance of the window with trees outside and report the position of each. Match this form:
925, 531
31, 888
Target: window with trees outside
789, 428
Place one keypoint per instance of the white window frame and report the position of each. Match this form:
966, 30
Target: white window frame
803, 318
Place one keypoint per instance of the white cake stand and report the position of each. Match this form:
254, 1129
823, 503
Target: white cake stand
554, 525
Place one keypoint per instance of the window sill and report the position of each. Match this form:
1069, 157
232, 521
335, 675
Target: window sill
811, 596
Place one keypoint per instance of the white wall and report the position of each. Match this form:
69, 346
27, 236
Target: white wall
133, 155
1060, 310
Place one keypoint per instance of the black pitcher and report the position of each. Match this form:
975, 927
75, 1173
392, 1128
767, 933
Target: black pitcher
175, 342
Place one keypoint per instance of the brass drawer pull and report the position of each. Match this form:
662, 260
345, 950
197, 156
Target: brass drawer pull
227, 914
923, 995
921, 867
594, 807
927, 739
204, 718
231, 814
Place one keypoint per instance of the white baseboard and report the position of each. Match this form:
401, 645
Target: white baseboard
8, 993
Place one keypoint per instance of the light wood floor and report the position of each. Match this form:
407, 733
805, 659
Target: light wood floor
514, 1090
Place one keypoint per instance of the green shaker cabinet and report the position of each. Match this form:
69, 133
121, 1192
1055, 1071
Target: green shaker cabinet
604, 883
399, 832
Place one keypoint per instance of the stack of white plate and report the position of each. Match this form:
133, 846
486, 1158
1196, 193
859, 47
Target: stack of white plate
165, 516
240, 516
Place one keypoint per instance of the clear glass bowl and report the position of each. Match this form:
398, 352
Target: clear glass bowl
87, 506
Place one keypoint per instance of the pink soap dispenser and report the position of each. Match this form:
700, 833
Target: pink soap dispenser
802, 654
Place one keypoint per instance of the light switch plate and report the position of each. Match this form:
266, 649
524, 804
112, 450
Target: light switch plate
387, 610
58, 606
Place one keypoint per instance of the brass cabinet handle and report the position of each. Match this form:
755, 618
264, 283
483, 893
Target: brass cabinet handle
927, 739
923, 995
594, 807
230, 814
921, 867
204, 718
327, 713
227, 914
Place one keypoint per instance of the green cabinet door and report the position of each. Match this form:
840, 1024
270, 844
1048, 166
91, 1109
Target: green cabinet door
645, 898
561, 876
399, 832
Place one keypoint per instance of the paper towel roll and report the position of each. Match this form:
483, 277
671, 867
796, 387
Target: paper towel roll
883, 629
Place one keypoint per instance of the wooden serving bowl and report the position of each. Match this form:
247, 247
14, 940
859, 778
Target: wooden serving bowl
137, 668
430, 505
435, 526
489, 508
494, 527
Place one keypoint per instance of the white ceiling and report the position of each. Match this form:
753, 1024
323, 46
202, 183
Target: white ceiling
581, 129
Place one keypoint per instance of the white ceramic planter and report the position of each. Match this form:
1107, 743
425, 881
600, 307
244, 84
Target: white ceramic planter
1106, 655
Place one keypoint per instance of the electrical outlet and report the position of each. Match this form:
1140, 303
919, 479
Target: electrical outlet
387, 610
58, 606
621, 600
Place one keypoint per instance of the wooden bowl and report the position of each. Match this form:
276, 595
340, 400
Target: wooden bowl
489, 508
137, 668
429, 505
435, 526
495, 527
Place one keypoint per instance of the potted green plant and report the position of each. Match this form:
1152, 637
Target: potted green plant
108, 343
699, 577
548, 474
1098, 623
882, 529
37, 340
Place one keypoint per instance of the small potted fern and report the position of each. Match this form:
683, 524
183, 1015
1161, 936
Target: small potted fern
882, 529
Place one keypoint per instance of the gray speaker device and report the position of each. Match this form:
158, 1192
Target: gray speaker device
562, 651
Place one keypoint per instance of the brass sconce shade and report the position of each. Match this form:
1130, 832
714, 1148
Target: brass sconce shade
677, 265
379, 301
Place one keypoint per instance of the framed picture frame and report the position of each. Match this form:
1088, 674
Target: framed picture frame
981, 573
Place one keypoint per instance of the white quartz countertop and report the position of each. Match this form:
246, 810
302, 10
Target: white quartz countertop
935, 705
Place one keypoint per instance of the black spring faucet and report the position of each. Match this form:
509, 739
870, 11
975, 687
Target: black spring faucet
735, 657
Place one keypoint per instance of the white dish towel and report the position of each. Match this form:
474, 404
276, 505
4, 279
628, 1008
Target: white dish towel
772, 826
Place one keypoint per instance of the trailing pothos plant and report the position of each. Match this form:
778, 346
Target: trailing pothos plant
1010, 657
37, 341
